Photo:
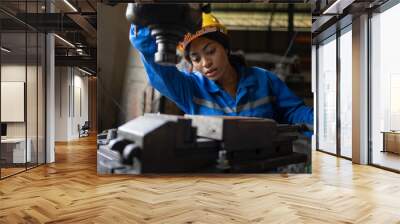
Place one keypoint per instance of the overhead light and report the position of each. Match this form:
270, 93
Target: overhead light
5, 50
65, 41
80, 51
84, 71
70, 5
337, 7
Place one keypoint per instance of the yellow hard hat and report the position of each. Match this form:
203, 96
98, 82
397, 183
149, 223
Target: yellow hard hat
209, 24
211, 21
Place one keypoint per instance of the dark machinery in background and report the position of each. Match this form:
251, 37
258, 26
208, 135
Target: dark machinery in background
177, 144
168, 24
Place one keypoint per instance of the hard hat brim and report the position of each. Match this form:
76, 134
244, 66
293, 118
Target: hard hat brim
188, 38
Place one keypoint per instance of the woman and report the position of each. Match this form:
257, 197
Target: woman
219, 83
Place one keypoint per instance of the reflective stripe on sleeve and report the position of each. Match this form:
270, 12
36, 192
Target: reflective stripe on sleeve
247, 106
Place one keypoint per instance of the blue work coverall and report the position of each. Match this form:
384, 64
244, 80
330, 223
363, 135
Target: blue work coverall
260, 93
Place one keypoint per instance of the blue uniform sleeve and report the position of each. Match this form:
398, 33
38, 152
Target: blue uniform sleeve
291, 109
168, 80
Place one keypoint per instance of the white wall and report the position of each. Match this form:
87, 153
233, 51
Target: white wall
71, 94
15, 73
61, 103
33, 126
80, 102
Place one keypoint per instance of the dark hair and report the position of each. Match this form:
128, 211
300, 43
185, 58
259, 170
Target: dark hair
237, 59
223, 39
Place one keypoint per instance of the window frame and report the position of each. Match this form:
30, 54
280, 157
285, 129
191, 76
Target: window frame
332, 33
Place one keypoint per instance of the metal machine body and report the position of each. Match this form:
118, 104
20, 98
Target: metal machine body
194, 143
168, 24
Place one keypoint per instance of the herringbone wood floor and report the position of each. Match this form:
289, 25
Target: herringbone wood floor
70, 191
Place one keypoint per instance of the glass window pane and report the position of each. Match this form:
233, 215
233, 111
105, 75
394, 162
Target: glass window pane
327, 96
346, 94
32, 84
14, 148
41, 98
31, 96
385, 84
23, 85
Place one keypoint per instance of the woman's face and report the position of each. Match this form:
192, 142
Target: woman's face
209, 57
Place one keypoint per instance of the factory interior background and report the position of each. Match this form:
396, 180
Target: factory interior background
56, 89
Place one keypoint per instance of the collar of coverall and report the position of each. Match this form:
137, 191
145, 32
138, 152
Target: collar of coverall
246, 80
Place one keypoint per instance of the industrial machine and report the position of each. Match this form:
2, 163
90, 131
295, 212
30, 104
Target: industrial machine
201, 144
168, 24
